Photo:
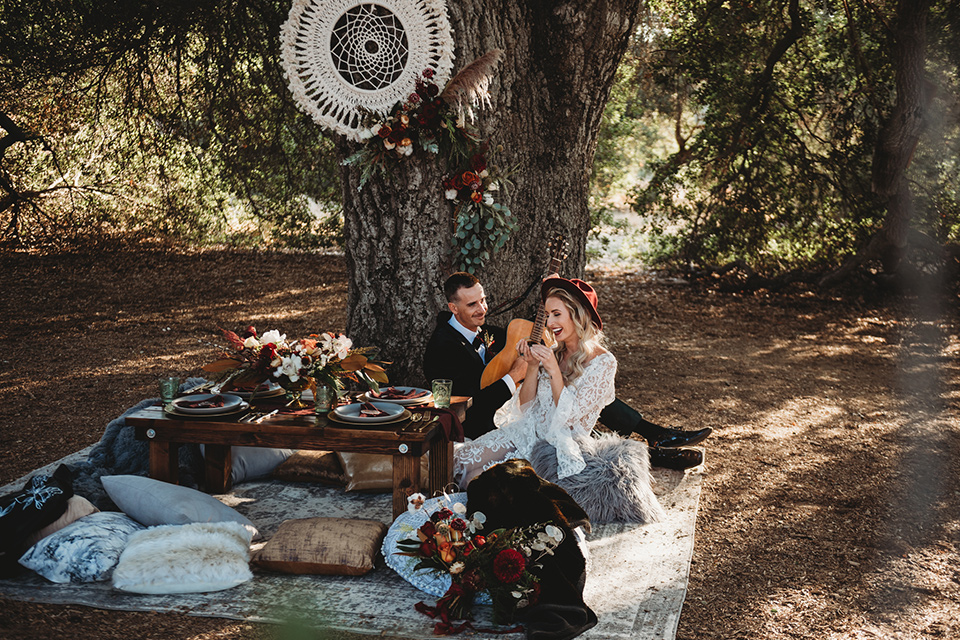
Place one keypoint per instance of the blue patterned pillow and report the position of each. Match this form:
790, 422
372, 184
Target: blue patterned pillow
405, 526
85, 551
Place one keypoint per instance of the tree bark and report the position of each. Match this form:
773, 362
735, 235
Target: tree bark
897, 142
547, 101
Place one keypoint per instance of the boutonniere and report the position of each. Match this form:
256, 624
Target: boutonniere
487, 338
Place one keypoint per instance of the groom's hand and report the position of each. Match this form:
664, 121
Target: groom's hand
518, 371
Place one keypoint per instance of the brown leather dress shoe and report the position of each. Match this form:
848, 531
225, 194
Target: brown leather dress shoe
676, 459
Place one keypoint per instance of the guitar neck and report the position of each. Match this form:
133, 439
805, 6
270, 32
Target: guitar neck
536, 334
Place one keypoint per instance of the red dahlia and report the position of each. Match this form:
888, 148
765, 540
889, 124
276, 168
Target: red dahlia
508, 566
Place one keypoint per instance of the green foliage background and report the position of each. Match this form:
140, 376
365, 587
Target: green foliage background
172, 122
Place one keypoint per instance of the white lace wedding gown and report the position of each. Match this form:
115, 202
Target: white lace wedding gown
563, 425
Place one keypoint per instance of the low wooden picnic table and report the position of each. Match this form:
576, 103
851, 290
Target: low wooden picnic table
402, 440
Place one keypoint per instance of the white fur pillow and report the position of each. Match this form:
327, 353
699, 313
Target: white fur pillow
189, 558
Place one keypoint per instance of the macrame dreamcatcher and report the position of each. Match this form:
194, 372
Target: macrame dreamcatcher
347, 58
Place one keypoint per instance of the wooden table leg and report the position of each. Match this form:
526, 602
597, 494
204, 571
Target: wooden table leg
165, 461
441, 464
218, 467
406, 481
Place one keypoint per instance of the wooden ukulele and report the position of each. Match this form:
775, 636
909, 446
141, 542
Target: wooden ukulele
519, 328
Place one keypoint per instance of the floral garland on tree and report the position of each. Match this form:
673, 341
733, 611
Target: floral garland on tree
435, 122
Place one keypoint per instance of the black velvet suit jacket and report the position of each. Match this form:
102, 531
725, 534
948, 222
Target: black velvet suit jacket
449, 355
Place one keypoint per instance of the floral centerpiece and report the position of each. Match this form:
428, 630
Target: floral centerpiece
502, 563
296, 365
435, 121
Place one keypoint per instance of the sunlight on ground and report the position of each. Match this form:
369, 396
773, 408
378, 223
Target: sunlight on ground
795, 417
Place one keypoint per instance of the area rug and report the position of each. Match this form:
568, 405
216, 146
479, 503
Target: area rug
636, 583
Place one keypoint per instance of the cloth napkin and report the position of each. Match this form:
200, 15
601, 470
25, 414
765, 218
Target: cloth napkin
452, 427
209, 403
392, 393
368, 410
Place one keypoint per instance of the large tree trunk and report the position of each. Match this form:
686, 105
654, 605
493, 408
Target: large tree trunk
547, 101
898, 141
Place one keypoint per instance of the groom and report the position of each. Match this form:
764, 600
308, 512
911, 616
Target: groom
461, 345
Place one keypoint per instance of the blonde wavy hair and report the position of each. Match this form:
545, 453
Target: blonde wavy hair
591, 338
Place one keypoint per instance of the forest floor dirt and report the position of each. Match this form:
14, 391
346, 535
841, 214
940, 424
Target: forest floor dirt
831, 493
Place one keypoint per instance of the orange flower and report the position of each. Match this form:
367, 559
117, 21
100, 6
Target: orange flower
472, 180
476, 196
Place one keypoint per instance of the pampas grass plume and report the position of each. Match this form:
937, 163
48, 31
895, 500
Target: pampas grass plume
470, 87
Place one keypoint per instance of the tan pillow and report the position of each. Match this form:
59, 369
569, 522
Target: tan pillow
373, 471
77, 507
327, 546
311, 466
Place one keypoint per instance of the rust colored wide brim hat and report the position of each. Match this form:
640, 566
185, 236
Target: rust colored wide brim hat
580, 290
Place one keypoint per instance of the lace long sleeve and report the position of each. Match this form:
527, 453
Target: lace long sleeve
573, 417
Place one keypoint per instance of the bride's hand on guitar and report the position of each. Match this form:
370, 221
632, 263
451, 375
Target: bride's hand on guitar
538, 354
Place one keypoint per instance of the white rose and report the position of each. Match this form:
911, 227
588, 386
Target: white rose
291, 367
451, 194
273, 336
487, 198
251, 343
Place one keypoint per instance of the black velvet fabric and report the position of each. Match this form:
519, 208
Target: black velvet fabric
511, 494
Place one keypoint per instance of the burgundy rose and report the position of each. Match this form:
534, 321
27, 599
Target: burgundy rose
428, 73
249, 332
457, 182
428, 528
445, 513
414, 98
479, 541
428, 548
508, 566
384, 131
432, 90
458, 524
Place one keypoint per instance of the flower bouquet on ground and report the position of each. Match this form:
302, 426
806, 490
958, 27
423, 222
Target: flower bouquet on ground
503, 563
326, 358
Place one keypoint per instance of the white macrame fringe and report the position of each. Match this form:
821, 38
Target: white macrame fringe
322, 92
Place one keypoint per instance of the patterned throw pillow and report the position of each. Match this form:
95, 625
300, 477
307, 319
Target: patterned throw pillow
42, 500
328, 546
77, 507
84, 551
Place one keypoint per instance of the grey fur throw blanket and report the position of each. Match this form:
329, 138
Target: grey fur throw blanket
120, 453
616, 484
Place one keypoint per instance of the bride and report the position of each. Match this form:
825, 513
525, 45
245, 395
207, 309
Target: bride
560, 405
